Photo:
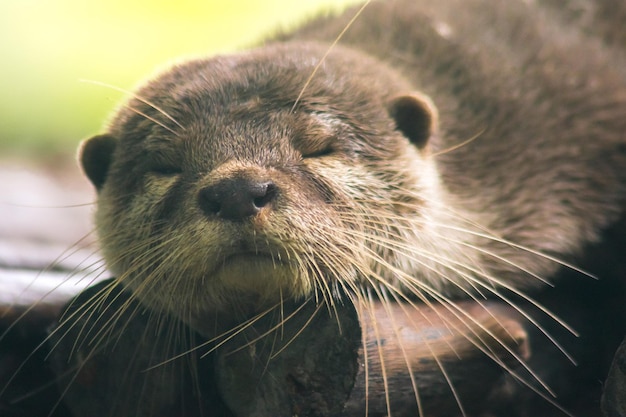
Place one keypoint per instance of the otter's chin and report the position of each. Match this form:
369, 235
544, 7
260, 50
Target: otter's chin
264, 276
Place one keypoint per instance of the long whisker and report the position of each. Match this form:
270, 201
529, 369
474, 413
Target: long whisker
435, 294
152, 119
136, 96
447, 263
299, 332
486, 234
330, 48
223, 338
459, 145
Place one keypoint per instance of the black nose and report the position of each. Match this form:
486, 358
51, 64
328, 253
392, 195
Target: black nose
237, 198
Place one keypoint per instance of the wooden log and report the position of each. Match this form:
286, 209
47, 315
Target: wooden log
411, 354
114, 357
312, 364
614, 395
27, 384
424, 356
302, 361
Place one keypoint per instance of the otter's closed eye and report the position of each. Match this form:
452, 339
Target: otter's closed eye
318, 153
165, 170
318, 138
315, 144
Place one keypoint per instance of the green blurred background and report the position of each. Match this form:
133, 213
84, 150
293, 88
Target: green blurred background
48, 46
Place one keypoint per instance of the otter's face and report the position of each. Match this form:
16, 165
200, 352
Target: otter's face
226, 185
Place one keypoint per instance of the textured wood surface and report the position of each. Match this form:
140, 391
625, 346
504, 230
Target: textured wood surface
121, 358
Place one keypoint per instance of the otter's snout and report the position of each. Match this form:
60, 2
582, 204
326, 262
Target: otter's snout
237, 198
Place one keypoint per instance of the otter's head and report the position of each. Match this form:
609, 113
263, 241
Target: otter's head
239, 181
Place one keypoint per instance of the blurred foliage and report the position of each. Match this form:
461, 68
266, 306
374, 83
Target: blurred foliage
49, 46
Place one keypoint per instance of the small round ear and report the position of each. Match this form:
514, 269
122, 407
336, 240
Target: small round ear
95, 155
416, 117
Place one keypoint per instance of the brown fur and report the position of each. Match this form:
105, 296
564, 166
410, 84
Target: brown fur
365, 192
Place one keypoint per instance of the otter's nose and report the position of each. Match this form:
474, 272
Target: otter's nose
236, 198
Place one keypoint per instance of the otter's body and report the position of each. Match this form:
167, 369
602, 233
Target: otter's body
235, 182
544, 94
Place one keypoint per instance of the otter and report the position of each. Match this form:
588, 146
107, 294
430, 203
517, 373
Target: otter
234, 181
440, 150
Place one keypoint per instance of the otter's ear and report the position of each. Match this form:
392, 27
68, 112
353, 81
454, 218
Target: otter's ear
416, 116
95, 155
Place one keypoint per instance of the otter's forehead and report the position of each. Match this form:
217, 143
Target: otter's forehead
280, 71
270, 107
281, 75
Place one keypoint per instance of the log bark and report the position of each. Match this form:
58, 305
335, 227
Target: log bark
614, 395
374, 360
116, 358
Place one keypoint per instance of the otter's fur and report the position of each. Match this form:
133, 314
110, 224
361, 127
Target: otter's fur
234, 182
